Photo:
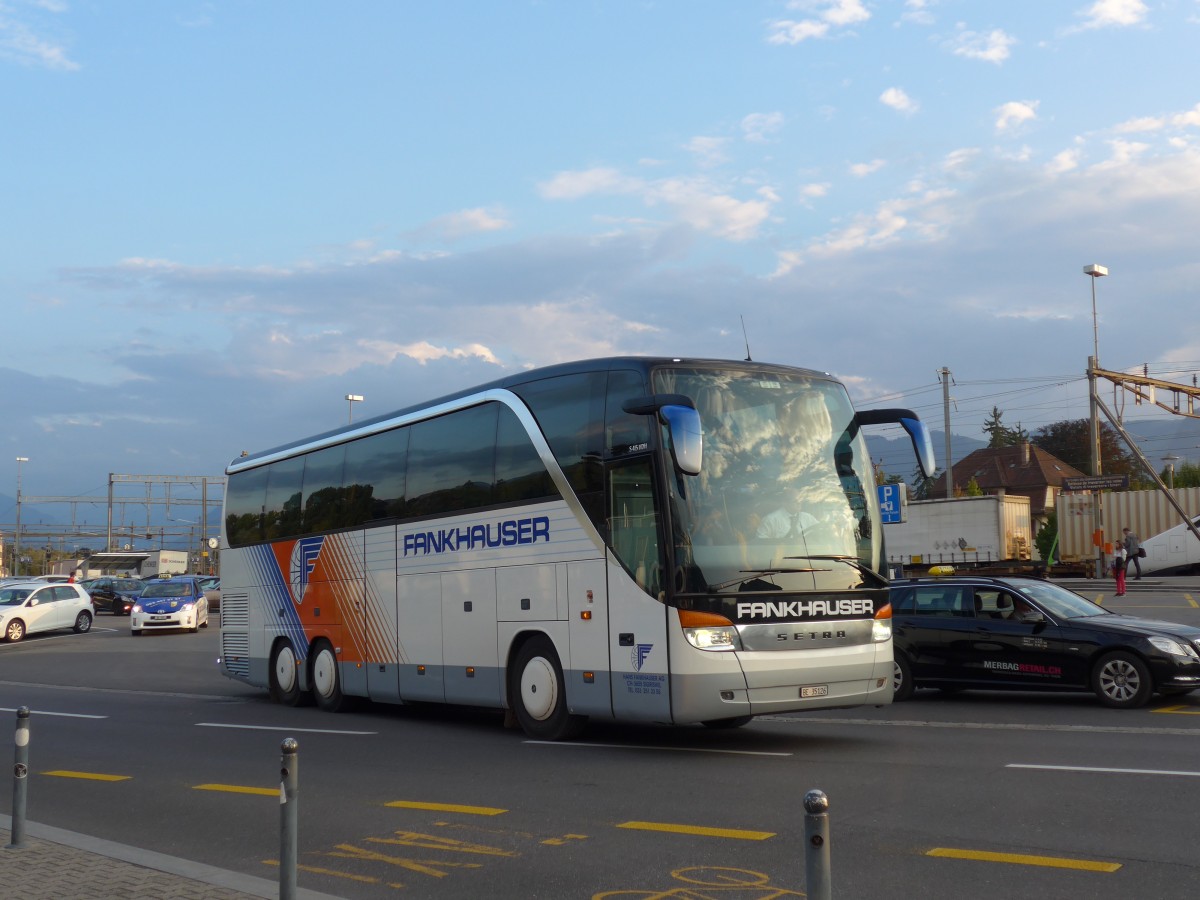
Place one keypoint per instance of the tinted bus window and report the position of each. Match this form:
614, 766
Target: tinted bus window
375, 477
570, 411
451, 462
625, 433
324, 500
520, 472
245, 496
281, 513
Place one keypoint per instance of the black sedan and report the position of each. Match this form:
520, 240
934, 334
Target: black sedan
1021, 634
117, 595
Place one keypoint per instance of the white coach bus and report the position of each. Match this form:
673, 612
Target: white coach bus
635, 539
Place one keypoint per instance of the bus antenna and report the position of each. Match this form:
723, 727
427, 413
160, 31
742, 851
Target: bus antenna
746, 338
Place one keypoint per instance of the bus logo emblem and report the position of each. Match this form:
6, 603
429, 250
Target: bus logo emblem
638, 657
303, 561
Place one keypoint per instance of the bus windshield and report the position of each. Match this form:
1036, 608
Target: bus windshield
785, 500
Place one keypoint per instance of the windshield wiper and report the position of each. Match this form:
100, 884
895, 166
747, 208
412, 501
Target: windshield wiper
752, 574
853, 562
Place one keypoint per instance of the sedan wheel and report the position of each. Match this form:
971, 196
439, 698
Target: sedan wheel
83, 623
1121, 680
902, 682
15, 630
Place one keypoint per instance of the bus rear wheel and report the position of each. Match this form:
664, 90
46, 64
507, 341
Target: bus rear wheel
326, 681
285, 675
537, 694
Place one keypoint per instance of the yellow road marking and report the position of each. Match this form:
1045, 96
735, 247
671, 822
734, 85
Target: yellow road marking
1178, 710
1188, 598
1052, 862
318, 870
700, 830
90, 776
447, 807
237, 789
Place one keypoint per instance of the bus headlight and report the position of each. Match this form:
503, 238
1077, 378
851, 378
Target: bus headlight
881, 626
708, 631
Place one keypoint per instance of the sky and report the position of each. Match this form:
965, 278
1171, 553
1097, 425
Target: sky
220, 218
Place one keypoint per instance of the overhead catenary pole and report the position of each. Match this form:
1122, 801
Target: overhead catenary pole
1095, 271
946, 417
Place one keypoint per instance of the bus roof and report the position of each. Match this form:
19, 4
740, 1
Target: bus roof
642, 364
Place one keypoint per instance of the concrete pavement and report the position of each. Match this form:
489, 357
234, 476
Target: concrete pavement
55, 863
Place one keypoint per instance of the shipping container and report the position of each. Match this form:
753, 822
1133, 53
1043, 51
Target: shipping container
964, 531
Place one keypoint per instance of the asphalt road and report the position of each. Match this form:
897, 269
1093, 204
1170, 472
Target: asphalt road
980, 795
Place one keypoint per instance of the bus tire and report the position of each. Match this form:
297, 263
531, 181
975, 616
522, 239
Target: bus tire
537, 693
285, 675
735, 722
326, 680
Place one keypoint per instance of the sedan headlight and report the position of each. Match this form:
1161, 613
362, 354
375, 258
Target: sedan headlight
137, 608
708, 631
189, 606
1175, 648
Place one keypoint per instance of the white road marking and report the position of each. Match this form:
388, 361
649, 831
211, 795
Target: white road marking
43, 712
1105, 771
279, 728
984, 726
648, 747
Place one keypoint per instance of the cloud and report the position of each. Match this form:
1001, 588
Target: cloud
1064, 162
759, 127
862, 170
575, 185
19, 42
991, 47
1015, 113
898, 100
464, 223
696, 202
1114, 14
709, 151
827, 15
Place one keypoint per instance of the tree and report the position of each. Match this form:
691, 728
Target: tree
1070, 441
1000, 434
922, 487
1047, 535
973, 489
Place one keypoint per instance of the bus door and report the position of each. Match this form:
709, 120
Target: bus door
638, 654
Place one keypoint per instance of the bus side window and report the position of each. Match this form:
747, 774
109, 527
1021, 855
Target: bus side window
624, 432
452, 462
633, 525
244, 503
520, 472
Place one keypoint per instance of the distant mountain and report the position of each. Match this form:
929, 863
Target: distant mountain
1156, 438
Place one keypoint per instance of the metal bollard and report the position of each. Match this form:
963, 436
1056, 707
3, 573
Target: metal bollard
819, 884
288, 818
20, 779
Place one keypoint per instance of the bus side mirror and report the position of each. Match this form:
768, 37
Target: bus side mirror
684, 431
907, 419
687, 437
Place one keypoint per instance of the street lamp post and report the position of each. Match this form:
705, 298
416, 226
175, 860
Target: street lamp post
352, 399
16, 566
1096, 271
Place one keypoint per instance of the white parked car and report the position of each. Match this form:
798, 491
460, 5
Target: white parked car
30, 606
172, 603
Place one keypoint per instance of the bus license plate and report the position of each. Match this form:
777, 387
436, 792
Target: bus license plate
816, 690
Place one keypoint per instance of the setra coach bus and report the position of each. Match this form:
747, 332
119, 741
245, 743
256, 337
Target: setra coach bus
632, 539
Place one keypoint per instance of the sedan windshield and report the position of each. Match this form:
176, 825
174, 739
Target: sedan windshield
785, 500
1058, 601
13, 597
167, 590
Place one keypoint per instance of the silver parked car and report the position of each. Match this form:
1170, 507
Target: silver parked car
30, 606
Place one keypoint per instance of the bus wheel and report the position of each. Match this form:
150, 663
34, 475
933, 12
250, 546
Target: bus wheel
327, 685
536, 693
285, 675
735, 722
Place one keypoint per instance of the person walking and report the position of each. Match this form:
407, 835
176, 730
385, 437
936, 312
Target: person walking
1133, 552
1118, 566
